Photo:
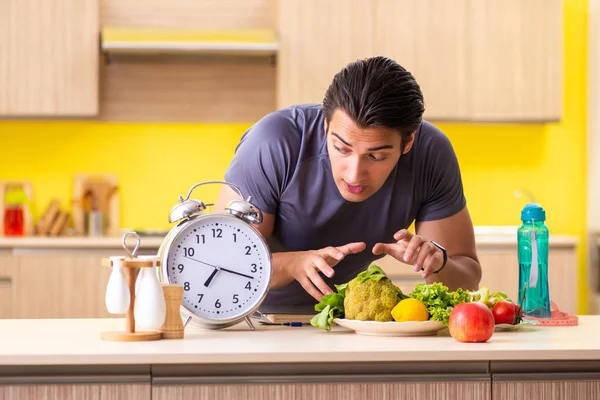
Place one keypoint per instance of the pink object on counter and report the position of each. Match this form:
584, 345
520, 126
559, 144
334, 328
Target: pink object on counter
557, 318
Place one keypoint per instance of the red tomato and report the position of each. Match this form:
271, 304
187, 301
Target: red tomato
471, 322
506, 312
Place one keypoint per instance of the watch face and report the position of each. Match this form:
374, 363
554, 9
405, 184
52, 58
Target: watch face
223, 265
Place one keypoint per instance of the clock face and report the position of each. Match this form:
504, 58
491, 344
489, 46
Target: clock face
223, 265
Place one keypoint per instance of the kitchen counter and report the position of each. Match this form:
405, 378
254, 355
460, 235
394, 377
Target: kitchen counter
75, 242
77, 341
148, 242
277, 362
511, 240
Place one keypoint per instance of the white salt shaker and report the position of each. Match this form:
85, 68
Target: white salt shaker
117, 297
150, 308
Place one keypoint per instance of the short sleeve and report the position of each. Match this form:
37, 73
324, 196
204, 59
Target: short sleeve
443, 194
264, 160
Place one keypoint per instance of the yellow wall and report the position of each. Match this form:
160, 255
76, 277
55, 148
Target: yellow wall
157, 163
154, 163
548, 160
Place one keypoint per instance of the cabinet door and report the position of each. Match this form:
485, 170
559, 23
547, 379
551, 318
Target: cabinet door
328, 391
501, 273
562, 278
49, 53
65, 285
428, 38
475, 60
546, 390
7, 268
515, 60
500, 270
76, 392
317, 39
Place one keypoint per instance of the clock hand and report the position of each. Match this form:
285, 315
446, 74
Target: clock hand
211, 277
236, 273
201, 262
220, 268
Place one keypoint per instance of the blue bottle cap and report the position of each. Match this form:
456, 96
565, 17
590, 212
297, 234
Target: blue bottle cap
533, 211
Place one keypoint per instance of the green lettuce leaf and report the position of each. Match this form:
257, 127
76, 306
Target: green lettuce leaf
330, 307
438, 300
374, 273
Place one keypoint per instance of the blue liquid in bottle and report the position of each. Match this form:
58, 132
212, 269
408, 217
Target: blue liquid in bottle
533, 262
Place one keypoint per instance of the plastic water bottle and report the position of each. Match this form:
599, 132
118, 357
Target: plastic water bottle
533, 262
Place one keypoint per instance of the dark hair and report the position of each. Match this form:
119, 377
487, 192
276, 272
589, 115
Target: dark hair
375, 92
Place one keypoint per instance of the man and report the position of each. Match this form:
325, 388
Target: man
340, 182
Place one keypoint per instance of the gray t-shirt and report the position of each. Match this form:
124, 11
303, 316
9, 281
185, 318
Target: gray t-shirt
282, 162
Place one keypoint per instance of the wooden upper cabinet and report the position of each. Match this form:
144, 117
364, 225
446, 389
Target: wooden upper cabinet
316, 40
195, 14
49, 52
516, 57
475, 60
429, 39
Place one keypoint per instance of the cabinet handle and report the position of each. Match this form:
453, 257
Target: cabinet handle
5, 281
74, 379
222, 380
547, 376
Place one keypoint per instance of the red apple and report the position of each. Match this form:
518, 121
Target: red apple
471, 322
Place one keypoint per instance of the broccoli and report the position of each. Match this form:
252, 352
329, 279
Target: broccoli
370, 300
370, 296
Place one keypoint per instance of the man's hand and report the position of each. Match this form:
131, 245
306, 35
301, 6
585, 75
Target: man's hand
304, 266
414, 250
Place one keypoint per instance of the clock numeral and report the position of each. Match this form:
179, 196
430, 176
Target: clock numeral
198, 239
235, 299
217, 304
186, 286
253, 268
217, 233
180, 267
188, 251
248, 286
234, 238
201, 295
248, 250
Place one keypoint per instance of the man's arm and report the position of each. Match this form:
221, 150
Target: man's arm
456, 235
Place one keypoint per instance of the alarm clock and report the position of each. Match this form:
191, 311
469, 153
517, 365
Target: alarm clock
220, 259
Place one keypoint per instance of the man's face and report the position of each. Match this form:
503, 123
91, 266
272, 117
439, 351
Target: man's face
361, 159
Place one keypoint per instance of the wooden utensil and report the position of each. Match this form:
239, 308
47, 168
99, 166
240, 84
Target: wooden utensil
96, 192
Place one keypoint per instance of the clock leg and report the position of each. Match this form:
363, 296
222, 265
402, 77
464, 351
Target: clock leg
249, 322
187, 321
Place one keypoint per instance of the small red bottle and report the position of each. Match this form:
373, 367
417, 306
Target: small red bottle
13, 220
15, 201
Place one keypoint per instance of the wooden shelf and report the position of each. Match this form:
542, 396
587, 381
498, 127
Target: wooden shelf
118, 40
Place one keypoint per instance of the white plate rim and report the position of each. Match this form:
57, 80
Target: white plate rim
358, 321
403, 328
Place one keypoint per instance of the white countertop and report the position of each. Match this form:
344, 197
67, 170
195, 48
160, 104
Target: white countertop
77, 341
37, 242
511, 240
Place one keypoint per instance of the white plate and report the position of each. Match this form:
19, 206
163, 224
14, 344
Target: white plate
391, 328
